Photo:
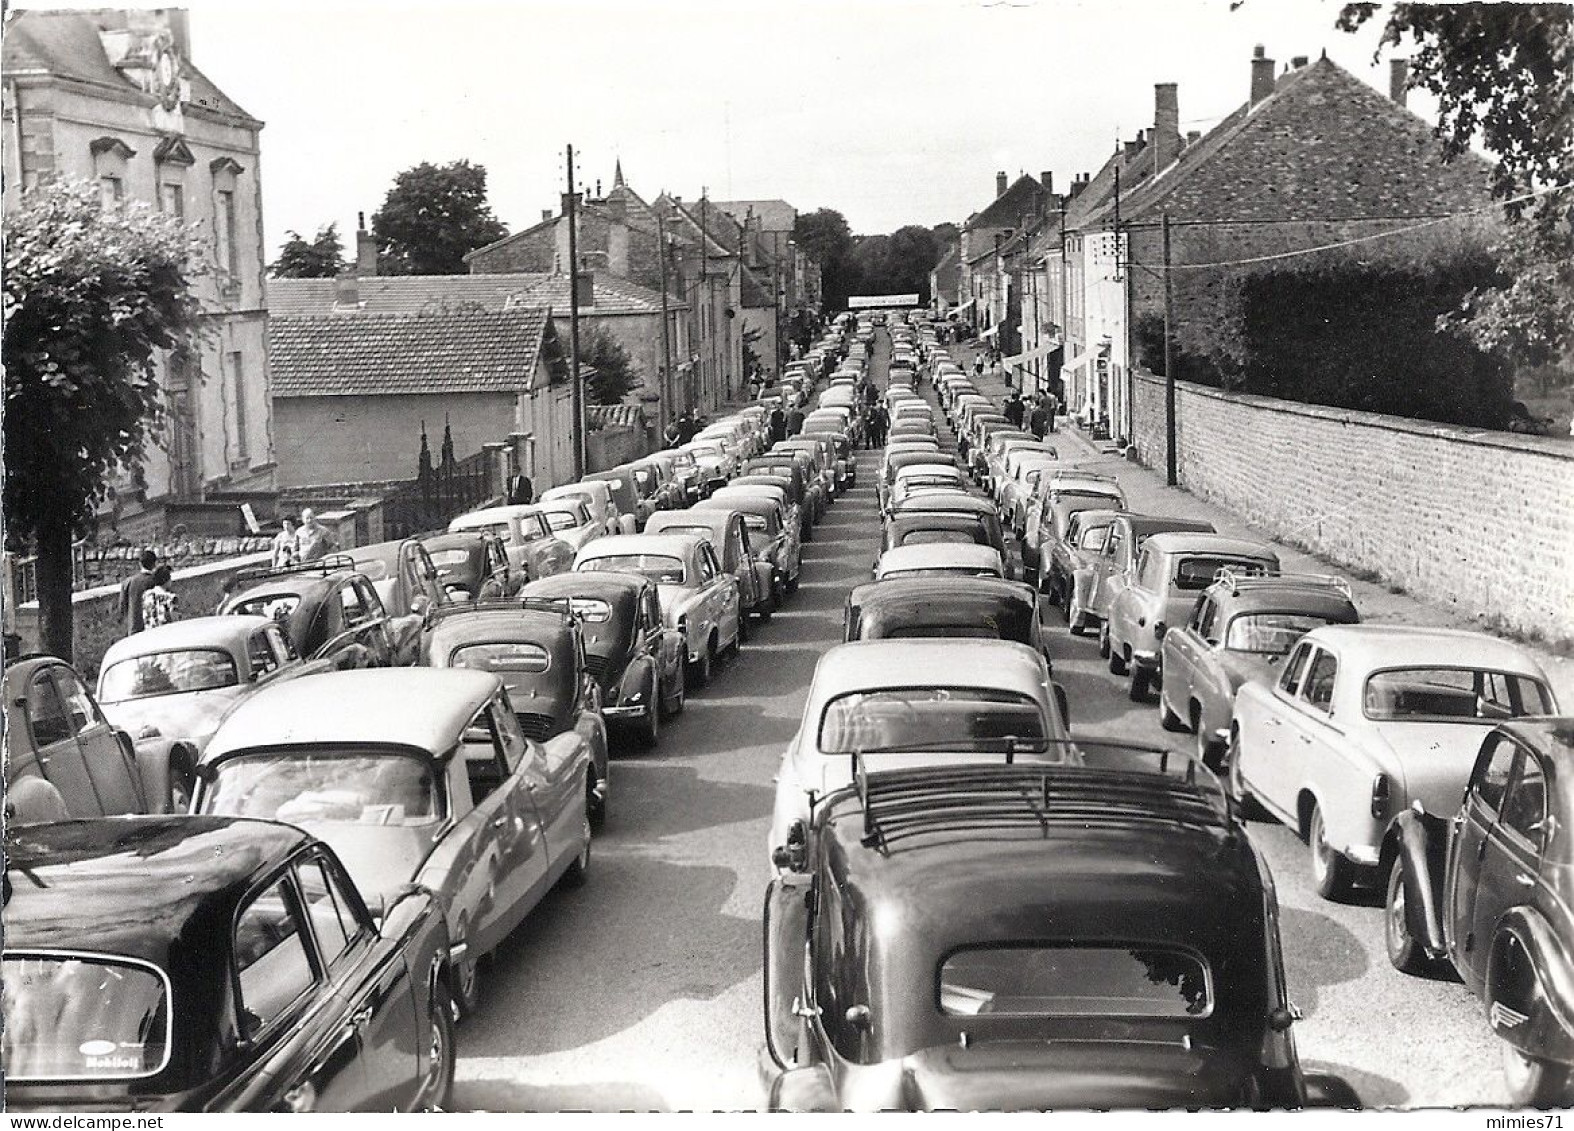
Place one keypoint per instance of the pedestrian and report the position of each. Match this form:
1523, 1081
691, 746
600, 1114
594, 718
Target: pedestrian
686, 428
1051, 408
1038, 420
880, 424
132, 589
284, 544
778, 424
1014, 409
672, 435
158, 602
795, 421
978, 365
313, 540
520, 490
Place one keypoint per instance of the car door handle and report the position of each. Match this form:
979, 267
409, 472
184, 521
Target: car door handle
362, 1017
1525, 881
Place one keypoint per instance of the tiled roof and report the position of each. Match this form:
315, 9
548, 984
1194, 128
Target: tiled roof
773, 215
687, 218
626, 415
1007, 209
66, 43
434, 294
388, 354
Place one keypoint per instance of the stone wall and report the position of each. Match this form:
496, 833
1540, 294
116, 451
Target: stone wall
1479, 521
606, 448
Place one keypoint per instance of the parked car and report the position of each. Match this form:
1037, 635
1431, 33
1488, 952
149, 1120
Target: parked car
538, 651
635, 659
606, 494
916, 702
980, 607
65, 759
723, 525
527, 537
571, 522
940, 559
1240, 629
1017, 487
181, 963
969, 506
684, 470
698, 598
409, 586
1365, 719
171, 686
1003, 938
473, 565
327, 608
417, 776
1105, 572
998, 451
656, 484
716, 462
806, 491
1048, 512
773, 529
1071, 557
1486, 888
896, 461
1172, 571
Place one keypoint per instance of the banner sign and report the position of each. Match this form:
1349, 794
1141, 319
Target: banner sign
870, 302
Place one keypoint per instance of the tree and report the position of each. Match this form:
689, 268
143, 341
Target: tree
825, 237
431, 217
320, 258
91, 295
615, 375
1504, 74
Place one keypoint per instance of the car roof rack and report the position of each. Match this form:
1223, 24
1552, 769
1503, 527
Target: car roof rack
1233, 582
328, 563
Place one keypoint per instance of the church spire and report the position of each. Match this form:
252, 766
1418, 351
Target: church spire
617, 175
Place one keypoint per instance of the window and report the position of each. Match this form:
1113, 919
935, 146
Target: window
367, 786
1526, 809
238, 378
112, 191
1290, 681
1444, 694
332, 921
483, 756
1319, 687
1207, 618
168, 673
79, 704
282, 648
510, 734
224, 230
46, 714
1270, 634
83, 1017
707, 563
1075, 981
1493, 770
259, 651
172, 199
270, 957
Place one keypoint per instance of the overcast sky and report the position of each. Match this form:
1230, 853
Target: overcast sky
892, 113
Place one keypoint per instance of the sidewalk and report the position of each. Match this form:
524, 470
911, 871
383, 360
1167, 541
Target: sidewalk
1146, 493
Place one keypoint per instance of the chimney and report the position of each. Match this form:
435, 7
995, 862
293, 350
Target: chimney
598, 188
1298, 62
1262, 75
179, 21
1000, 183
617, 241
1398, 79
347, 291
546, 214
585, 288
365, 249
1047, 179
1166, 125
1131, 148
1193, 137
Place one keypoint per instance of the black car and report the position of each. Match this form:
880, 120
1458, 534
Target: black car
956, 503
328, 608
183, 963
473, 565
980, 607
1028, 937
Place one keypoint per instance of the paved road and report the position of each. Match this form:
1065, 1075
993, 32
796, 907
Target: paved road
642, 991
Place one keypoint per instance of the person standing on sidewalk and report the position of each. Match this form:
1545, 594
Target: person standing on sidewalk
1051, 408
158, 603
132, 589
1014, 409
1038, 420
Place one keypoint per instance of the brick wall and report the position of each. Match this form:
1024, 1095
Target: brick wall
1480, 521
606, 448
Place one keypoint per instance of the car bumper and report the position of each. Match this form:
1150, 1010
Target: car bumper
623, 711
1147, 661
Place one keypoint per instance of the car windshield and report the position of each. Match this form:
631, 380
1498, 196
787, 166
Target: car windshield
591, 610
375, 569
451, 562
927, 537
1272, 634
1453, 695
503, 529
167, 673
71, 1017
930, 718
358, 787
1194, 573
1075, 981
516, 662
566, 519
1092, 538
661, 568
939, 571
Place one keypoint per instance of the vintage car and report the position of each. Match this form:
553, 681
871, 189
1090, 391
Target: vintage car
473, 565
1485, 886
635, 659
929, 528
969, 506
773, 529
171, 686
898, 459
916, 702
182, 963
999, 450
823, 456
1049, 509
1172, 571
1106, 571
526, 535
1074, 552
940, 559
1017, 489
716, 462
418, 776
912, 444
723, 524
1007, 937
656, 484
571, 522
65, 759
409, 586
905, 481
1240, 629
698, 598
612, 499
792, 490
1366, 719
327, 608
846, 462
537, 649
981, 607
806, 491
684, 470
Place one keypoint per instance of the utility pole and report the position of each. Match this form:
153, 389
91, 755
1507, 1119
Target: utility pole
576, 391
668, 383
715, 327
1065, 307
1169, 364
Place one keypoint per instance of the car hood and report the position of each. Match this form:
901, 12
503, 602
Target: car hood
1037, 1075
674, 600
577, 536
193, 716
380, 858
1433, 760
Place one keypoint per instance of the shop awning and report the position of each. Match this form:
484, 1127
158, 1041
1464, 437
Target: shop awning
991, 332
1077, 362
1044, 350
961, 306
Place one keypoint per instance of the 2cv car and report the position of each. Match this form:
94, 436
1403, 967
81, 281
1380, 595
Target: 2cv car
327, 608
729, 537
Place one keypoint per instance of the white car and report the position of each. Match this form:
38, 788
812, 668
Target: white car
597, 496
939, 559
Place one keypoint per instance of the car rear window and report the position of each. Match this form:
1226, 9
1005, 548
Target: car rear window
1448, 694
565, 519
1196, 573
928, 537
445, 560
502, 656
1272, 634
83, 1017
1076, 981
661, 568
930, 718
279, 606
167, 673
592, 610
339, 787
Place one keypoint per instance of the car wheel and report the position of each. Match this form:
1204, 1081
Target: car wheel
1331, 872
579, 871
1535, 1082
1117, 659
1405, 954
1208, 749
467, 983
650, 722
698, 673
1141, 680
440, 1051
675, 702
598, 807
1168, 719
182, 780
1235, 784
1104, 641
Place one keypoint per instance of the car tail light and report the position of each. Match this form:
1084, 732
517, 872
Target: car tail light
1380, 795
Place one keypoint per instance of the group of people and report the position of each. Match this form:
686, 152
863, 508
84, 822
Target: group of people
307, 542
785, 422
1040, 419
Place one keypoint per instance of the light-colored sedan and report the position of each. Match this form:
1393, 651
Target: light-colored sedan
531, 545
698, 597
1363, 721
571, 522
597, 496
939, 559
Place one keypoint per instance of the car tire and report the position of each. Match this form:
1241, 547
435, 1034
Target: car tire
1117, 659
438, 1087
698, 673
579, 871
649, 729
1209, 750
1104, 641
1405, 954
1168, 719
466, 978
675, 703
1235, 785
1332, 874
1536, 1082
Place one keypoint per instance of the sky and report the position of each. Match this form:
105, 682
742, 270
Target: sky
890, 112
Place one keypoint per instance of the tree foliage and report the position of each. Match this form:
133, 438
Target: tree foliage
1504, 75
824, 236
92, 294
432, 217
319, 258
615, 373
898, 263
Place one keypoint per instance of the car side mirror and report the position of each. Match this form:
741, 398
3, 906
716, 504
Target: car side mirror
1325, 1090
